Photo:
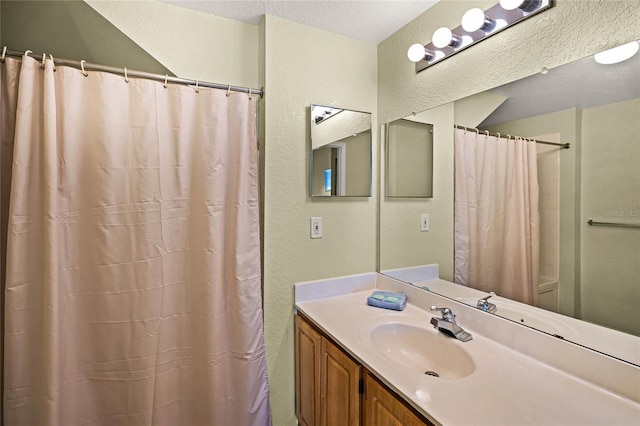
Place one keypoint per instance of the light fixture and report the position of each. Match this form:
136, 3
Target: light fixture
319, 113
443, 37
525, 5
417, 52
617, 54
475, 19
476, 25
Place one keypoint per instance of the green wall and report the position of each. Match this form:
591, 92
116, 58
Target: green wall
71, 30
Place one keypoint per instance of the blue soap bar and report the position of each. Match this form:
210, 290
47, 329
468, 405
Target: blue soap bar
387, 300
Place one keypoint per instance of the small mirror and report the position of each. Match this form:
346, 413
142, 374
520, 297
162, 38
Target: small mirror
409, 156
340, 152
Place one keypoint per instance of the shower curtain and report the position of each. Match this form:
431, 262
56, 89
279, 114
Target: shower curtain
132, 292
497, 222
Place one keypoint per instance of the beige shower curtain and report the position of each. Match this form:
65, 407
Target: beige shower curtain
497, 222
133, 290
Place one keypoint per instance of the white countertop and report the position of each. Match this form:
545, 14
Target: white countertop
506, 388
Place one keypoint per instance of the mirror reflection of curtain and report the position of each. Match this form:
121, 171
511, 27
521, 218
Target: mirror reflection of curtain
497, 222
133, 255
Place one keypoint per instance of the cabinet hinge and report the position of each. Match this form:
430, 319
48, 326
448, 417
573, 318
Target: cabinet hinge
361, 387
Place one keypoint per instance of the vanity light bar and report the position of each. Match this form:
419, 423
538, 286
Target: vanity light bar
496, 18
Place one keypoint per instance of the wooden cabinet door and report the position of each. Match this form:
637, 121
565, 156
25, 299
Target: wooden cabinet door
339, 387
308, 347
382, 408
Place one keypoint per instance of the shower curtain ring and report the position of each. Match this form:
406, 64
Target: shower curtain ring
250, 93
44, 58
477, 132
166, 77
197, 86
52, 62
4, 54
228, 91
498, 133
27, 52
126, 76
486, 132
86, 74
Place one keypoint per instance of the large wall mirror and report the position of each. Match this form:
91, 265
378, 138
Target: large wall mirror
340, 160
589, 194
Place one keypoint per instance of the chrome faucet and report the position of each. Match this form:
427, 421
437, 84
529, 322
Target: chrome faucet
484, 305
447, 324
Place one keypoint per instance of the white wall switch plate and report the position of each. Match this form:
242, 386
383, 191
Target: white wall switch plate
424, 222
316, 227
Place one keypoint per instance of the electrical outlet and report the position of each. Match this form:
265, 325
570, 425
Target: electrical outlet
424, 222
316, 227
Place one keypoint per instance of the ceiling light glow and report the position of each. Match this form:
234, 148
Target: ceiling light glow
617, 54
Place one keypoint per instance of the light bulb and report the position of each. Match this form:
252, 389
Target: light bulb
617, 54
475, 19
518, 4
417, 52
443, 37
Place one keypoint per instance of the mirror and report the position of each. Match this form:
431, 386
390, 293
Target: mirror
340, 160
409, 159
588, 272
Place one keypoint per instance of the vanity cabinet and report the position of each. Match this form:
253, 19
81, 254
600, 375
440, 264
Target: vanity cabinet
339, 387
308, 342
327, 380
333, 389
381, 407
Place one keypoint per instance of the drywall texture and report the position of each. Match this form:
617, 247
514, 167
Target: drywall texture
304, 65
570, 30
191, 44
610, 284
71, 30
474, 109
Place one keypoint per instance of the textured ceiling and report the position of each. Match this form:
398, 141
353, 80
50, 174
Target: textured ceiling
371, 21
581, 84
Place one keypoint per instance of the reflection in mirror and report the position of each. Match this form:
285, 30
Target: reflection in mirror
590, 273
409, 156
340, 163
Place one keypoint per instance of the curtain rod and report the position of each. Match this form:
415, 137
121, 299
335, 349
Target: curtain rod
132, 73
486, 132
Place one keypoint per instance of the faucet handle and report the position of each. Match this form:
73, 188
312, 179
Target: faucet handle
491, 294
486, 306
447, 314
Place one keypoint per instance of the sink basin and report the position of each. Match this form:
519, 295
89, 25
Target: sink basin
422, 350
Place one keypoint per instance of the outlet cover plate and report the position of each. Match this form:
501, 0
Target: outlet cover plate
424, 222
316, 227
